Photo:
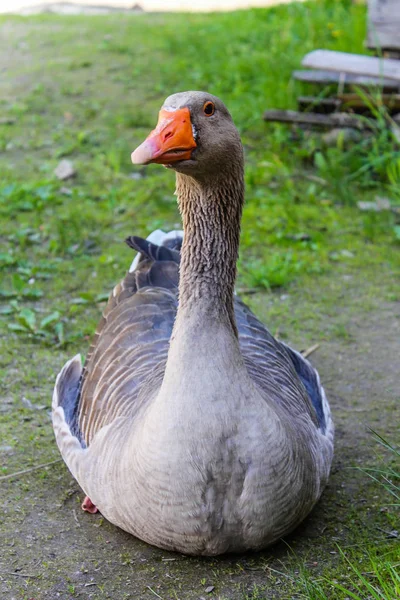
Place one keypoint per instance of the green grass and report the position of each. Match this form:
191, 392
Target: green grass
96, 97
372, 572
89, 89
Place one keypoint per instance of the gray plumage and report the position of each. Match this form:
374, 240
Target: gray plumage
190, 425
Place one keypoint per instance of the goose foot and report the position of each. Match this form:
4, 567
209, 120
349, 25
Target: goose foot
88, 506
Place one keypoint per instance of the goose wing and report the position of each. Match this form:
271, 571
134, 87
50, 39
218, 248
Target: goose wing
281, 372
126, 361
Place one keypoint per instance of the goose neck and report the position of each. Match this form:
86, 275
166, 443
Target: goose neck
211, 214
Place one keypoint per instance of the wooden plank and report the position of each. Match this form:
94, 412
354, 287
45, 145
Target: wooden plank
334, 120
384, 24
356, 102
372, 66
347, 79
346, 103
318, 105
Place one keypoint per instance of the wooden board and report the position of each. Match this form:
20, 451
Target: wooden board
347, 103
384, 24
318, 105
346, 79
359, 64
357, 103
334, 120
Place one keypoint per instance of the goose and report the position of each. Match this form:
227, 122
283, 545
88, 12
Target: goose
190, 426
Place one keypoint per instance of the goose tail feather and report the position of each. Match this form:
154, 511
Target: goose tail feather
172, 240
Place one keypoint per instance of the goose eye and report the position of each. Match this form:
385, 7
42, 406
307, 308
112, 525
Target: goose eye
209, 108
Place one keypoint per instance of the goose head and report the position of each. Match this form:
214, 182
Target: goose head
195, 135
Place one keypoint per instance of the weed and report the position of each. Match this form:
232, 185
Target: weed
277, 272
377, 574
370, 160
32, 196
20, 289
89, 298
50, 328
387, 475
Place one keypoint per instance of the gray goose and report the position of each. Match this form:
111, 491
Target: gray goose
190, 426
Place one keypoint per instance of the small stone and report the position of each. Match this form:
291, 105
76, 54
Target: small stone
347, 253
64, 170
383, 203
377, 206
366, 205
345, 135
66, 191
136, 176
299, 237
395, 129
26, 402
209, 589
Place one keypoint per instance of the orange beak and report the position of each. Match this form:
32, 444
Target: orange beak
172, 140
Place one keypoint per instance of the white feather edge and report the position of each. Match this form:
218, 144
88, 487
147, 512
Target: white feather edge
76, 359
158, 236
69, 445
81, 462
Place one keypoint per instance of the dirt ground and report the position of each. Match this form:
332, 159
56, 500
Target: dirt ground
51, 549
